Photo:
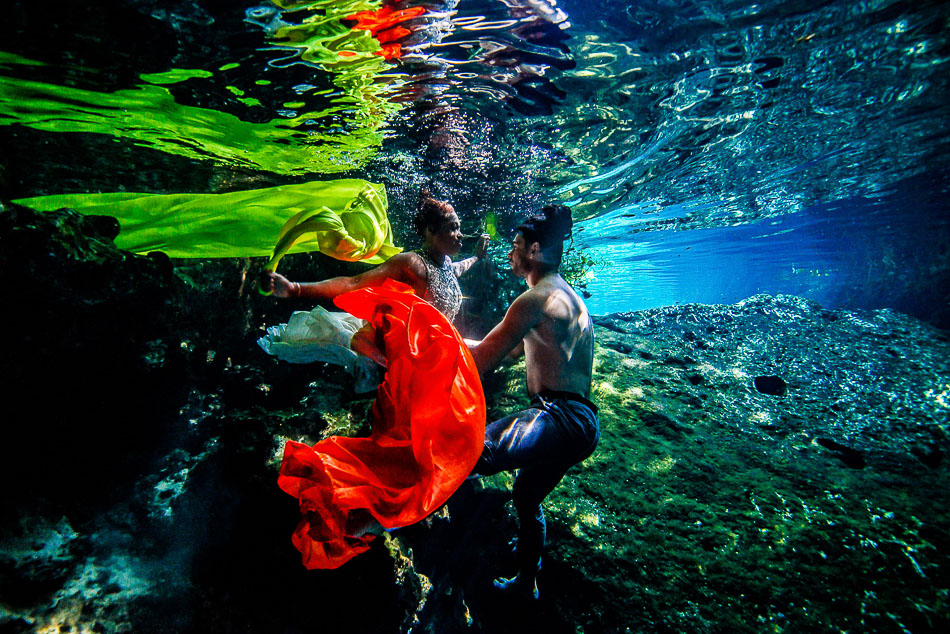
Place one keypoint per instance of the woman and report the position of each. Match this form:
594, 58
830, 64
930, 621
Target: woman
429, 412
429, 271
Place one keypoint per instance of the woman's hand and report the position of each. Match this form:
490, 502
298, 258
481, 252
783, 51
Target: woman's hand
279, 285
481, 249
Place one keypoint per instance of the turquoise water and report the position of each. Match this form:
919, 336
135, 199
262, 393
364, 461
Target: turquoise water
867, 252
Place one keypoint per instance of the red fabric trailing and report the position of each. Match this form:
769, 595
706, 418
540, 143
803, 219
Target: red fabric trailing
428, 432
385, 18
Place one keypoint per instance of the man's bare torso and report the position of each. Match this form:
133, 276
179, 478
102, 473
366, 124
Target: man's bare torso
559, 350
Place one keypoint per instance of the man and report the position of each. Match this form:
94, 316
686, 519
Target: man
550, 325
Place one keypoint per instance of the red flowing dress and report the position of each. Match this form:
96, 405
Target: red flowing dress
428, 432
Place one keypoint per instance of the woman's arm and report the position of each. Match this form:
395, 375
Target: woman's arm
401, 267
481, 249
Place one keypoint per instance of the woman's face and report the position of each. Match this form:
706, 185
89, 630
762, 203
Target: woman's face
447, 237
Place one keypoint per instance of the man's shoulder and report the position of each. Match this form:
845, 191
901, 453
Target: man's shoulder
529, 306
561, 302
535, 295
556, 286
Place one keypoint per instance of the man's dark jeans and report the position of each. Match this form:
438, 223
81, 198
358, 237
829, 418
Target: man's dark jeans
558, 431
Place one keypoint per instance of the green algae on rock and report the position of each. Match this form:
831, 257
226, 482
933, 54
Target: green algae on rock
710, 506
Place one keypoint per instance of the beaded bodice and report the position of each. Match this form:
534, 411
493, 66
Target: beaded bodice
442, 287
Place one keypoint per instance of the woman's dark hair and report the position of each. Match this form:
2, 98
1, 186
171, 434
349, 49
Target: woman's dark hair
429, 213
550, 227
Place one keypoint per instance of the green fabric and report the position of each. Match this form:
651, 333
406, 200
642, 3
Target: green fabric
491, 226
345, 219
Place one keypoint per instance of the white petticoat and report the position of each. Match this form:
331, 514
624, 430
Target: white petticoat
321, 335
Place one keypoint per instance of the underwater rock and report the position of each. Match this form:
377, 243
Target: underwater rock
620, 347
930, 455
86, 346
36, 560
850, 387
773, 385
847, 455
772, 512
661, 423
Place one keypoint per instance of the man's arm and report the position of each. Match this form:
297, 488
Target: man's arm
524, 314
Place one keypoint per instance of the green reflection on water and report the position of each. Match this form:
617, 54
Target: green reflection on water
175, 75
148, 115
352, 56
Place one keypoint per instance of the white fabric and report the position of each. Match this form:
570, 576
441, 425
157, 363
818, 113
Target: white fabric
319, 335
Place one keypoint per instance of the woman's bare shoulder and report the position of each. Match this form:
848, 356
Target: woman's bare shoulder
408, 259
406, 266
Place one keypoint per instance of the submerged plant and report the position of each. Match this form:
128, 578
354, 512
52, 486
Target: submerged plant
578, 267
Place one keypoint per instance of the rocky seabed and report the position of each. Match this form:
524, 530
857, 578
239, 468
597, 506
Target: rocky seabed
764, 466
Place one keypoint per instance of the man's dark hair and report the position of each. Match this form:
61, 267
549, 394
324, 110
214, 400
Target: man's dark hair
550, 228
429, 213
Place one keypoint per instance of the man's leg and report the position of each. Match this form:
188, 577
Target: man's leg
543, 447
532, 485
513, 441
